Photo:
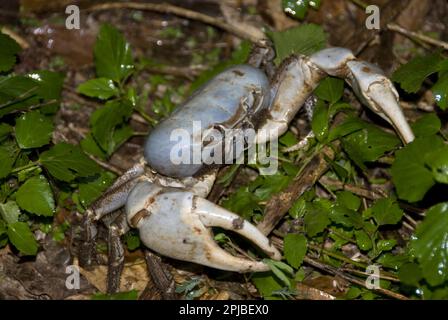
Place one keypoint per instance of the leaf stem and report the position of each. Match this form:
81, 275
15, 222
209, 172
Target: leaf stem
27, 166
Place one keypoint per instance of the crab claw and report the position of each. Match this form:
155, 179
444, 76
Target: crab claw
177, 224
380, 95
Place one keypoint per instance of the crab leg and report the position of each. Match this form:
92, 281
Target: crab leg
177, 224
300, 75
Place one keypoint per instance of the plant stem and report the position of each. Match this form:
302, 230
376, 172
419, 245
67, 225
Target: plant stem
27, 166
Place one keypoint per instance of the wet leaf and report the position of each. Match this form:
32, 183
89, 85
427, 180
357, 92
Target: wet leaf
363, 240
410, 174
427, 125
295, 249
36, 196
386, 245
50, 84
440, 91
10, 212
316, 218
8, 51
369, 144
33, 130
105, 121
92, 188
22, 238
411, 75
101, 88
305, 39
67, 162
319, 123
113, 57
386, 211
330, 89
431, 243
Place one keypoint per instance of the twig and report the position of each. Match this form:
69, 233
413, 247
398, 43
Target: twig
256, 37
332, 270
359, 191
107, 166
416, 35
280, 203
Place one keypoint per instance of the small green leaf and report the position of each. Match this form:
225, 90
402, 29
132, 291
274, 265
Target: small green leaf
295, 249
101, 88
93, 187
427, 125
113, 57
437, 161
7, 156
242, 202
132, 241
430, 244
5, 130
386, 211
349, 126
50, 84
348, 200
10, 212
363, 240
35, 196
17, 93
411, 75
66, 162
392, 261
8, 50
410, 274
33, 130
129, 295
386, 245
271, 184
266, 283
440, 91
319, 123
410, 174
105, 121
22, 238
330, 89
368, 144
346, 217
305, 39
316, 218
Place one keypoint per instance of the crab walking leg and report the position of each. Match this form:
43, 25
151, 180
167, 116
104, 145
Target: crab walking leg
176, 224
113, 199
300, 75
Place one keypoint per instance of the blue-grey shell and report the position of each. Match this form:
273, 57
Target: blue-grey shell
217, 102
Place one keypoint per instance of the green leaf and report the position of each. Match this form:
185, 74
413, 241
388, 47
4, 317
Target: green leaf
3, 228
50, 84
10, 212
368, 144
427, 125
386, 211
7, 156
392, 261
410, 174
363, 240
17, 93
35, 196
410, 274
271, 184
350, 125
346, 217
22, 238
430, 244
101, 88
437, 161
266, 283
8, 50
67, 162
5, 130
348, 200
33, 130
242, 202
129, 295
330, 89
386, 245
105, 121
296, 9
295, 249
319, 123
93, 188
278, 268
411, 75
90, 146
113, 57
316, 218
305, 39
440, 91
132, 241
